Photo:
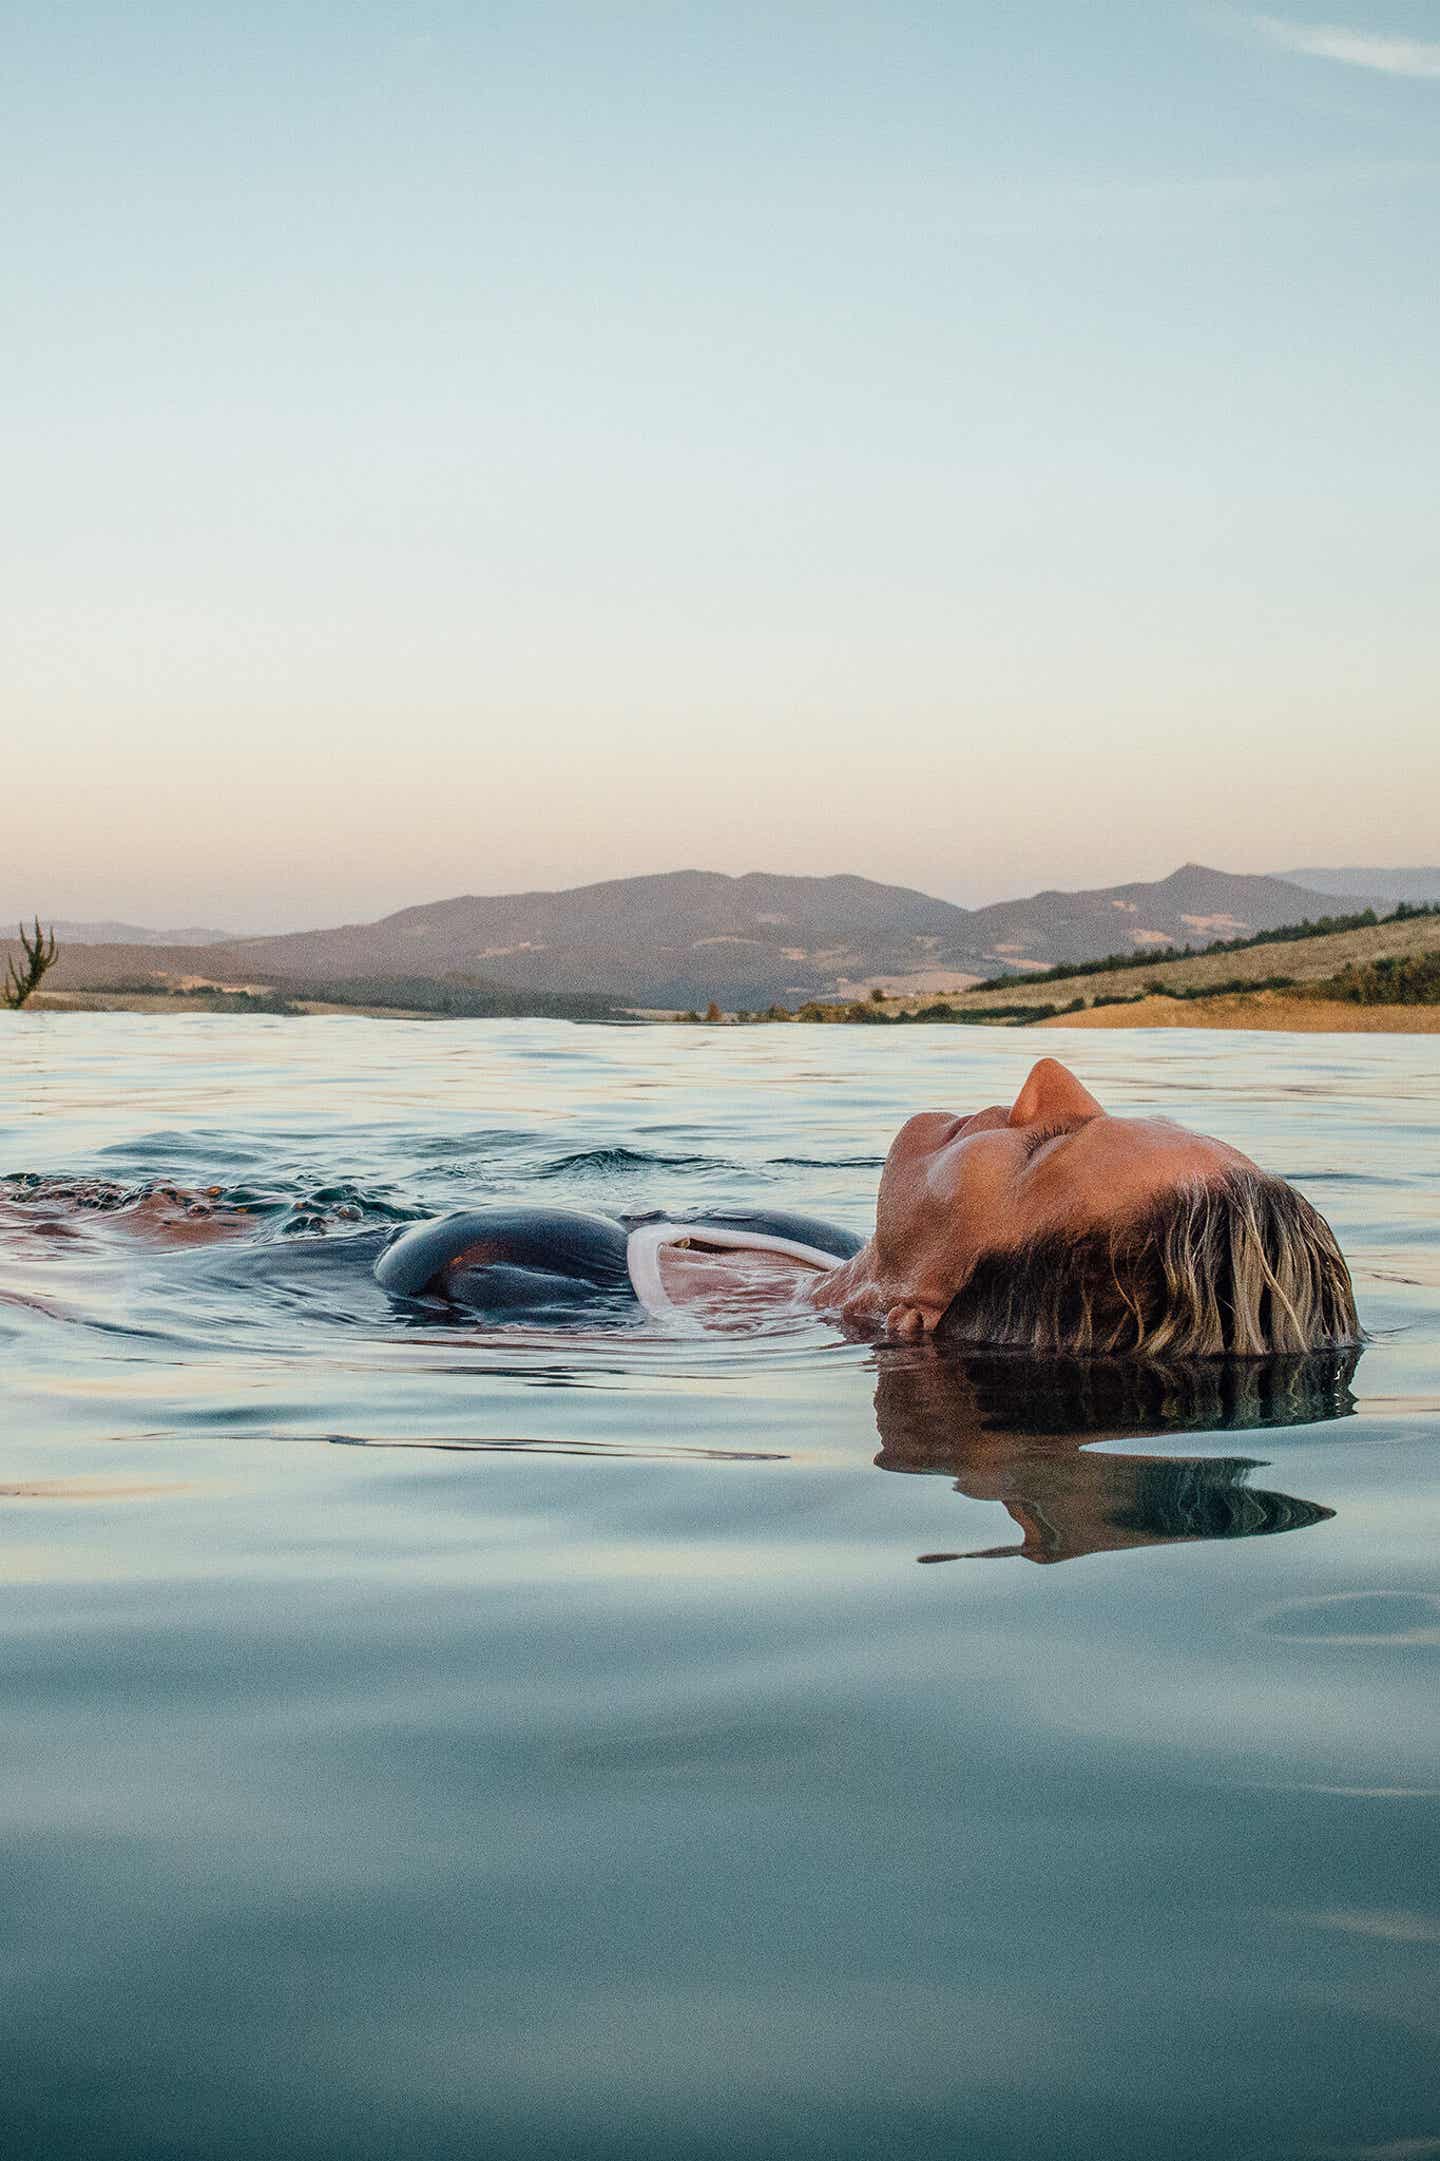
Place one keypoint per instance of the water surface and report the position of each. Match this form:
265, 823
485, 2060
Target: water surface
443, 1742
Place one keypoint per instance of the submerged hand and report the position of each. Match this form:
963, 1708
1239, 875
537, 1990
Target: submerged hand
908, 1323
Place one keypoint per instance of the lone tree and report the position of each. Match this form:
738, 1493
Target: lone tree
39, 951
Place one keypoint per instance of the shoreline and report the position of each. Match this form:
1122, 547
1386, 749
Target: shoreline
1273, 1011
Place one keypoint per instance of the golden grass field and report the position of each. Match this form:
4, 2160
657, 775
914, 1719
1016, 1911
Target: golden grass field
1274, 1009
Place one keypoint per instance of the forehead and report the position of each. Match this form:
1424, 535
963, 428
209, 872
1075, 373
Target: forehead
1113, 1163
1107, 1135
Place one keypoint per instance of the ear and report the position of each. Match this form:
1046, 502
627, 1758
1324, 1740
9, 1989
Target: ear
908, 1322
1052, 1091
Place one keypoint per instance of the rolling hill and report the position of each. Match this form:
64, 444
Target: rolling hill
680, 938
684, 937
1303, 961
1194, 906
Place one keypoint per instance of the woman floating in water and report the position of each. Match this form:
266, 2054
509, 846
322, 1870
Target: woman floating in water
1048, 1226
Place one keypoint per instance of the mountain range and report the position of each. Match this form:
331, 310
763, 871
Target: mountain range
680, 938
134, 934
1363, 882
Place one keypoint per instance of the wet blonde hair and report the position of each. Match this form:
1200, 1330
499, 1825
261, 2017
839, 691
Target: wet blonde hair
1237, 1265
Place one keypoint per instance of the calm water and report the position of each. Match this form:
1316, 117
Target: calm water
431, 1743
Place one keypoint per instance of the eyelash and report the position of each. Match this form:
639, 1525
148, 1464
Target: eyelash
1034, 1142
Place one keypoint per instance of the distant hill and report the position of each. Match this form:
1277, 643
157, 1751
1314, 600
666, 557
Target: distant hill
663, 941
1301, 961
681, 938
1365, 883
1193, 906
133, 934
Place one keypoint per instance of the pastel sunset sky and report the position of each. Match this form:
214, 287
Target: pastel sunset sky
468, 447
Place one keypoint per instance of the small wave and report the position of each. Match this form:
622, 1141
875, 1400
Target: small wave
45, 1193
829, 1163
287, 1208
517, 1444
615, 1162
1342, 1178
321, 1208
206, 1149
99, 1196
474, 1147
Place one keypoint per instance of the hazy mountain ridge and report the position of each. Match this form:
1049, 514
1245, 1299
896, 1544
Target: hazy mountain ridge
676, 939
1195, 906
1416, 883
662, 940
679, 938
135, 934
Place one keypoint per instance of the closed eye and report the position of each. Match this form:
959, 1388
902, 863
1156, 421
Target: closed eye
1035, 1141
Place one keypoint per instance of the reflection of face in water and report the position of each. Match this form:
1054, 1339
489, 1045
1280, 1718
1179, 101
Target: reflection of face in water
1014, 1430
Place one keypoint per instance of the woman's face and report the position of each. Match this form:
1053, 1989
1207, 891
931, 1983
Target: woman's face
1053, 1161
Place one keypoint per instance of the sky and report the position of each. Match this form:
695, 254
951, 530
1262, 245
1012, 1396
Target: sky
464, 448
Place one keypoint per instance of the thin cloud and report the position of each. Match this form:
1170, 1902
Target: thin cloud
1357, 48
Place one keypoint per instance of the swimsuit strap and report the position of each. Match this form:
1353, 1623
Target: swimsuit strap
648, 1241
787, 1223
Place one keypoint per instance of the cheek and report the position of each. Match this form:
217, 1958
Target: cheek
952, 1201
907, 1206
967, 1195
895, 1205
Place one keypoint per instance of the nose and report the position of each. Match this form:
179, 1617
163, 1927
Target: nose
1052, 1093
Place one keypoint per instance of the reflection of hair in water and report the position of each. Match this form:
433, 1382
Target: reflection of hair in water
1014, 1429
1117, 1396
1207, 1497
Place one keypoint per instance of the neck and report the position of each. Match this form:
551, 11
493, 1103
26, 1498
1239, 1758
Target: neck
861, 1290
867, 1294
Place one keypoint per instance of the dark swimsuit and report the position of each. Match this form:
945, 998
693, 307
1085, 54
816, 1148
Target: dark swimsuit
518, 1263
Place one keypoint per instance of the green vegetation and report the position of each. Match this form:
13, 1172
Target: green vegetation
244, 1001
205, 997
1324, 926
869, 1014
39, 950
1395, 981
454, 997
1187, 991
1406, 979
450, 998
1401, 979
